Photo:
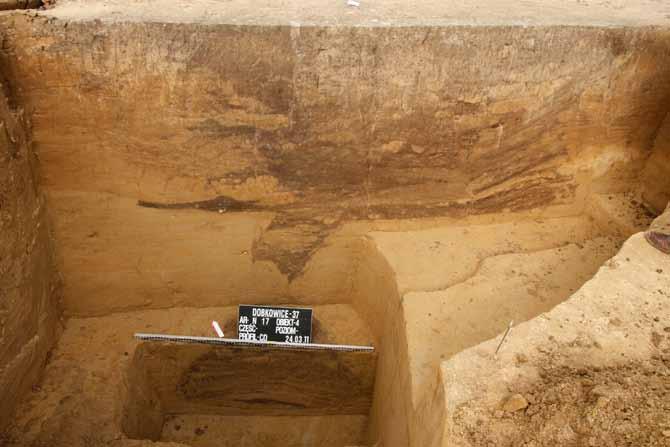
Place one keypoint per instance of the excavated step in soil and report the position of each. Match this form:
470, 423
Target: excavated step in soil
461, 284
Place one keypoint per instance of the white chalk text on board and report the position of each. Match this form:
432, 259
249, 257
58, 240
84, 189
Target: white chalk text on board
269, 323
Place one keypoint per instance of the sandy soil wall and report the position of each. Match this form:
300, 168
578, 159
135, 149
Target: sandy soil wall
28, 281
240, 149
376, 296
225, 380
656, 176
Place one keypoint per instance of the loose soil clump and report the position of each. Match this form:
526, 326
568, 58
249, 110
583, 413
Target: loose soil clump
628, 405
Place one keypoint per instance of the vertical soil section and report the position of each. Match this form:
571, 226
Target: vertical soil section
270, 139
29, 315
656, 175
253, 380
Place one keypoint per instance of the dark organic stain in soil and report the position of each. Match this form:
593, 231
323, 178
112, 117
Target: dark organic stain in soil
300, 234
299, 229
218, 204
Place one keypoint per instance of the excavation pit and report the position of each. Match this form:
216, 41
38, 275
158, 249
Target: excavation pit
203, 396
319, 393
420, 175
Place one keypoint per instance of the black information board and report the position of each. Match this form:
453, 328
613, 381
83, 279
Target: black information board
268, 323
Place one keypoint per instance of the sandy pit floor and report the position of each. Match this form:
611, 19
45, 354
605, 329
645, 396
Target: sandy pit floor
244, 431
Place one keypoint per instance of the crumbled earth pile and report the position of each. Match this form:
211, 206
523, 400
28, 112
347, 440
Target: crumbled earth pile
628, 405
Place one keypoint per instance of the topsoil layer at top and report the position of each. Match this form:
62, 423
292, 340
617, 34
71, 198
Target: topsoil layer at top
372, 13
